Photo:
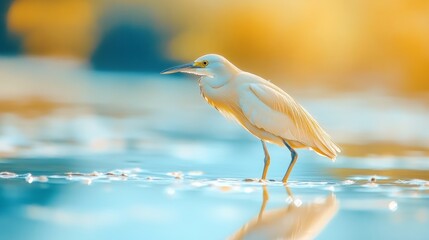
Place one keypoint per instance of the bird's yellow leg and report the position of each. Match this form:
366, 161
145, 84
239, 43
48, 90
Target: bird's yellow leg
289, 192
265, 198
266, 161
294, 157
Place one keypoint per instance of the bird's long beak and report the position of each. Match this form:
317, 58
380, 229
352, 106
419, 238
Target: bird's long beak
186, 68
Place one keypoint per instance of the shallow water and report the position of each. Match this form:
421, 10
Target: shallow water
138, 195
150, 160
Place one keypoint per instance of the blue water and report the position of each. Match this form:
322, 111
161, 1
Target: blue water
161, 196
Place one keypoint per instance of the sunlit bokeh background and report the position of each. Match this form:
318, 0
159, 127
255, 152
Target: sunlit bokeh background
61, 53
352, 45
80, 78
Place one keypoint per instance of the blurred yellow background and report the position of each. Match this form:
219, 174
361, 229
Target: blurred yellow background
340, 44
361, 67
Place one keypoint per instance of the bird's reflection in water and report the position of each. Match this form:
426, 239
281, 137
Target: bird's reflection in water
297, 220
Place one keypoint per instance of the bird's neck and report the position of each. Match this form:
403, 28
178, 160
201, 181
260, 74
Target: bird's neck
212, 82
219, 79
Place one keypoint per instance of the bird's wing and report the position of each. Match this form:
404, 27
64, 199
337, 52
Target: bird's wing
270, 108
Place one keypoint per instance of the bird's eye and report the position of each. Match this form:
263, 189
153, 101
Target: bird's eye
205, 63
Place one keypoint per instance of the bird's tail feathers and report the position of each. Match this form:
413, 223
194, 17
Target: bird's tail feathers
326, 147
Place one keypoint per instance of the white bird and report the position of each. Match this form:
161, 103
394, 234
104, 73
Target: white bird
262, 108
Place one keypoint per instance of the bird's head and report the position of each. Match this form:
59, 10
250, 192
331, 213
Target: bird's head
208, 65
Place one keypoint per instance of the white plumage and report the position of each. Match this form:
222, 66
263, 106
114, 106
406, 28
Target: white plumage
258, 105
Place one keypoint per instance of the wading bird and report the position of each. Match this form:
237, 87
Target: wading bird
262, 108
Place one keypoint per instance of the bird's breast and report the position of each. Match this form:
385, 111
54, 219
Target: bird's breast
223, 98
217, 97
